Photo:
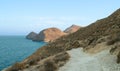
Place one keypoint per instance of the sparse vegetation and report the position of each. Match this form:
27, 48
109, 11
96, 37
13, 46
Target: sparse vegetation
50, 65
33, 60
16, 67
53, 63
61, 58
113, 39
88, 35
113, 49
118, 58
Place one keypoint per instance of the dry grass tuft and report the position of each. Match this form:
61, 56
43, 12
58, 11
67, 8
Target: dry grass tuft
113, 39
50, 65
61, 58
16, 67
118, 58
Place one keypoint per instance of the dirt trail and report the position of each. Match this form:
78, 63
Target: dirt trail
81, 61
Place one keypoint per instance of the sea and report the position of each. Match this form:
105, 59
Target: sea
15, 49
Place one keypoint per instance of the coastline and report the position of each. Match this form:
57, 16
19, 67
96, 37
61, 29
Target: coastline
15, 49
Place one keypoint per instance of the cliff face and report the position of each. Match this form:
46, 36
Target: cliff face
72, 29
49, 34
92, 39
31, 35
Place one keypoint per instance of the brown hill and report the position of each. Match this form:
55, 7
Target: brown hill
72, 29
86, 37
49, 34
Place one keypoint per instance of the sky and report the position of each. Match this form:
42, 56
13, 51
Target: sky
19, 17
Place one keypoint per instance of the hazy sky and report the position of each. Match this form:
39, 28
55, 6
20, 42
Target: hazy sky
19, 17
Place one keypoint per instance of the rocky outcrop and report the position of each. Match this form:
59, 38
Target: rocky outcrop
49, 34
72, 29
31, 35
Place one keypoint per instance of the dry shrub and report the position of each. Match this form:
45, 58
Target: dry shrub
75, 44
61, 57
118, 58
54, 62
16, 67
33, 60
50, 65
113, 39
113, 49
20, 66
111, 42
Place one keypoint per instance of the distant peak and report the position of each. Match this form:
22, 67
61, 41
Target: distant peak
74, 25
72, 29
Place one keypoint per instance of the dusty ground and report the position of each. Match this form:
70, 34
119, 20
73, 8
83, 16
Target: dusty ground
81, 61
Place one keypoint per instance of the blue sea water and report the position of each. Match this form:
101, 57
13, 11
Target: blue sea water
15, 49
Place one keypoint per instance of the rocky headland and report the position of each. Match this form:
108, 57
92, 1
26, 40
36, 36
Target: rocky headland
51, 34
31, 35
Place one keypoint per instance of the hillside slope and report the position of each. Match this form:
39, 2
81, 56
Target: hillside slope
104, 30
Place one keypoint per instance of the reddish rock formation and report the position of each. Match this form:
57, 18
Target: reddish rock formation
49, 34
72, 29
